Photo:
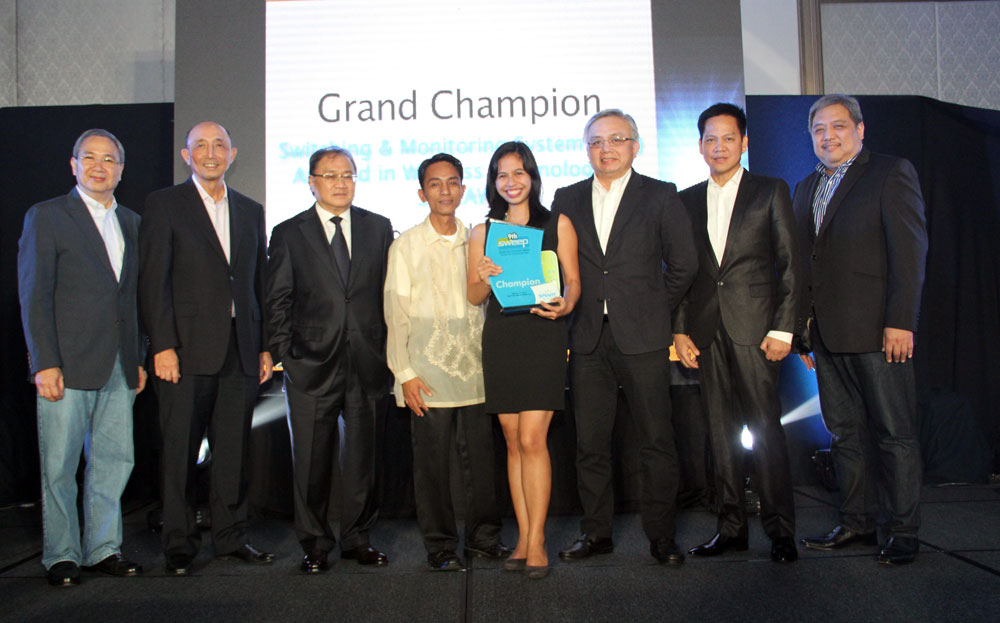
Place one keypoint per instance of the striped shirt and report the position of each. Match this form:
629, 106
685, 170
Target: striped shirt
826, 187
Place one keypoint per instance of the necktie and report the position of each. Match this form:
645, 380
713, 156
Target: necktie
338, 245
110, 235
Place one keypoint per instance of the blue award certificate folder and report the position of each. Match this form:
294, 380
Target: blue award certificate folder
529, 275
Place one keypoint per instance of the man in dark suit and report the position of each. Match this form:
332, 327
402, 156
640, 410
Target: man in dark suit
327, 266
861, 216
636, 261
77, 274
202, 265
736, 324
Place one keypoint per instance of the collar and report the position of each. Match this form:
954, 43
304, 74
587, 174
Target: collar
842, 168
733, 181
96, 208
431, 236
204, 194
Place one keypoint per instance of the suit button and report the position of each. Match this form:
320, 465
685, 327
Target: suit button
347, 300
605, 272
720, 283
814, 257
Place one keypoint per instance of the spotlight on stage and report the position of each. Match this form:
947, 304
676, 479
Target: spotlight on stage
746, 438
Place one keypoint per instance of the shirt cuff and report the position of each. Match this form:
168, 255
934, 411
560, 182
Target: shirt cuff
783, 336
405, 375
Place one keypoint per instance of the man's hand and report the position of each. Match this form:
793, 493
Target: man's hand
142, 380
686, 351
49, 383
897, 344
808, 360
411, 394
774, 349
266, 367
166, 366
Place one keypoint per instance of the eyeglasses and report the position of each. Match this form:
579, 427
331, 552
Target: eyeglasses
344, 177
615, 141
90, 160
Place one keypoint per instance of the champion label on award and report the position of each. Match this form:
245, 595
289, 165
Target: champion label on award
530, 275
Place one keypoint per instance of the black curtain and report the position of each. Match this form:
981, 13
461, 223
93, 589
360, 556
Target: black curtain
956, 151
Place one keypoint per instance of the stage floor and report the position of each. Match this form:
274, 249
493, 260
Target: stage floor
955, 578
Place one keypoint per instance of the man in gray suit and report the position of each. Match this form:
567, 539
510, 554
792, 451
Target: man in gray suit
637, 259
77, 274
736, 324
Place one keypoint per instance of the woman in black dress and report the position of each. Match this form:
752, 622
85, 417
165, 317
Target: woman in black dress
524, 355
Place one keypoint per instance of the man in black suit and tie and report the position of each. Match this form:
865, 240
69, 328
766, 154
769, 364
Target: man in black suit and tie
327, 266
636, 261
736, 324
77, 273
861, 216
202, 265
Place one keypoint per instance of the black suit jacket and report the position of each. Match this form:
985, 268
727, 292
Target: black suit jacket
865, 268
314, 320
649, 264
187, 288
756, 288
76, 315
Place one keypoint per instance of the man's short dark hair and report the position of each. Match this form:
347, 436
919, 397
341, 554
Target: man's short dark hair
333, 150
99, 132
442, 157
723, 108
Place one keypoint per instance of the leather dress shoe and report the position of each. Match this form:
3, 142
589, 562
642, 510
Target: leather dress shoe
497, 551
315, 562
250, 554
365, 555
117, 565
179, 564
783, 549
587, 545
899, 550
719, 544
839, 537
666, 552
445, 560
64, 573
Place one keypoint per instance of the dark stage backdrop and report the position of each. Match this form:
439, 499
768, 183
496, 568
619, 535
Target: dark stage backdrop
37, 145
955, 151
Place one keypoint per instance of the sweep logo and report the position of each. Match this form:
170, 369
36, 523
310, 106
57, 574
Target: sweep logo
512, 241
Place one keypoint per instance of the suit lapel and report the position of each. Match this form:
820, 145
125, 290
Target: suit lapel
359, 235
586, 228
238, 227
626, 210
699, 220
744, 195
202, 223
312, 230
84, 222
129, 259
854, 173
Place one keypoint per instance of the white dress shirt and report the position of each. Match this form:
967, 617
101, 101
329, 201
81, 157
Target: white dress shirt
606, 204
111, 231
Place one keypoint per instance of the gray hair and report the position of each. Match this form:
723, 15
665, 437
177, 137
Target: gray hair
613, 112
831, 99
99, 132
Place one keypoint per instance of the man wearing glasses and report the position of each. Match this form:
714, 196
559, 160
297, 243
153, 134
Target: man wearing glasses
637, 259
77, 273
326, 270
202, 261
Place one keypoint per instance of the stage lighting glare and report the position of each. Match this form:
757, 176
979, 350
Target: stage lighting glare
805, 410
746, 438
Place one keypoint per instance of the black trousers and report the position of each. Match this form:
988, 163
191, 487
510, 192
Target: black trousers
435, 436
317, 448
870, 408
645, 379
221, 405
740, 386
